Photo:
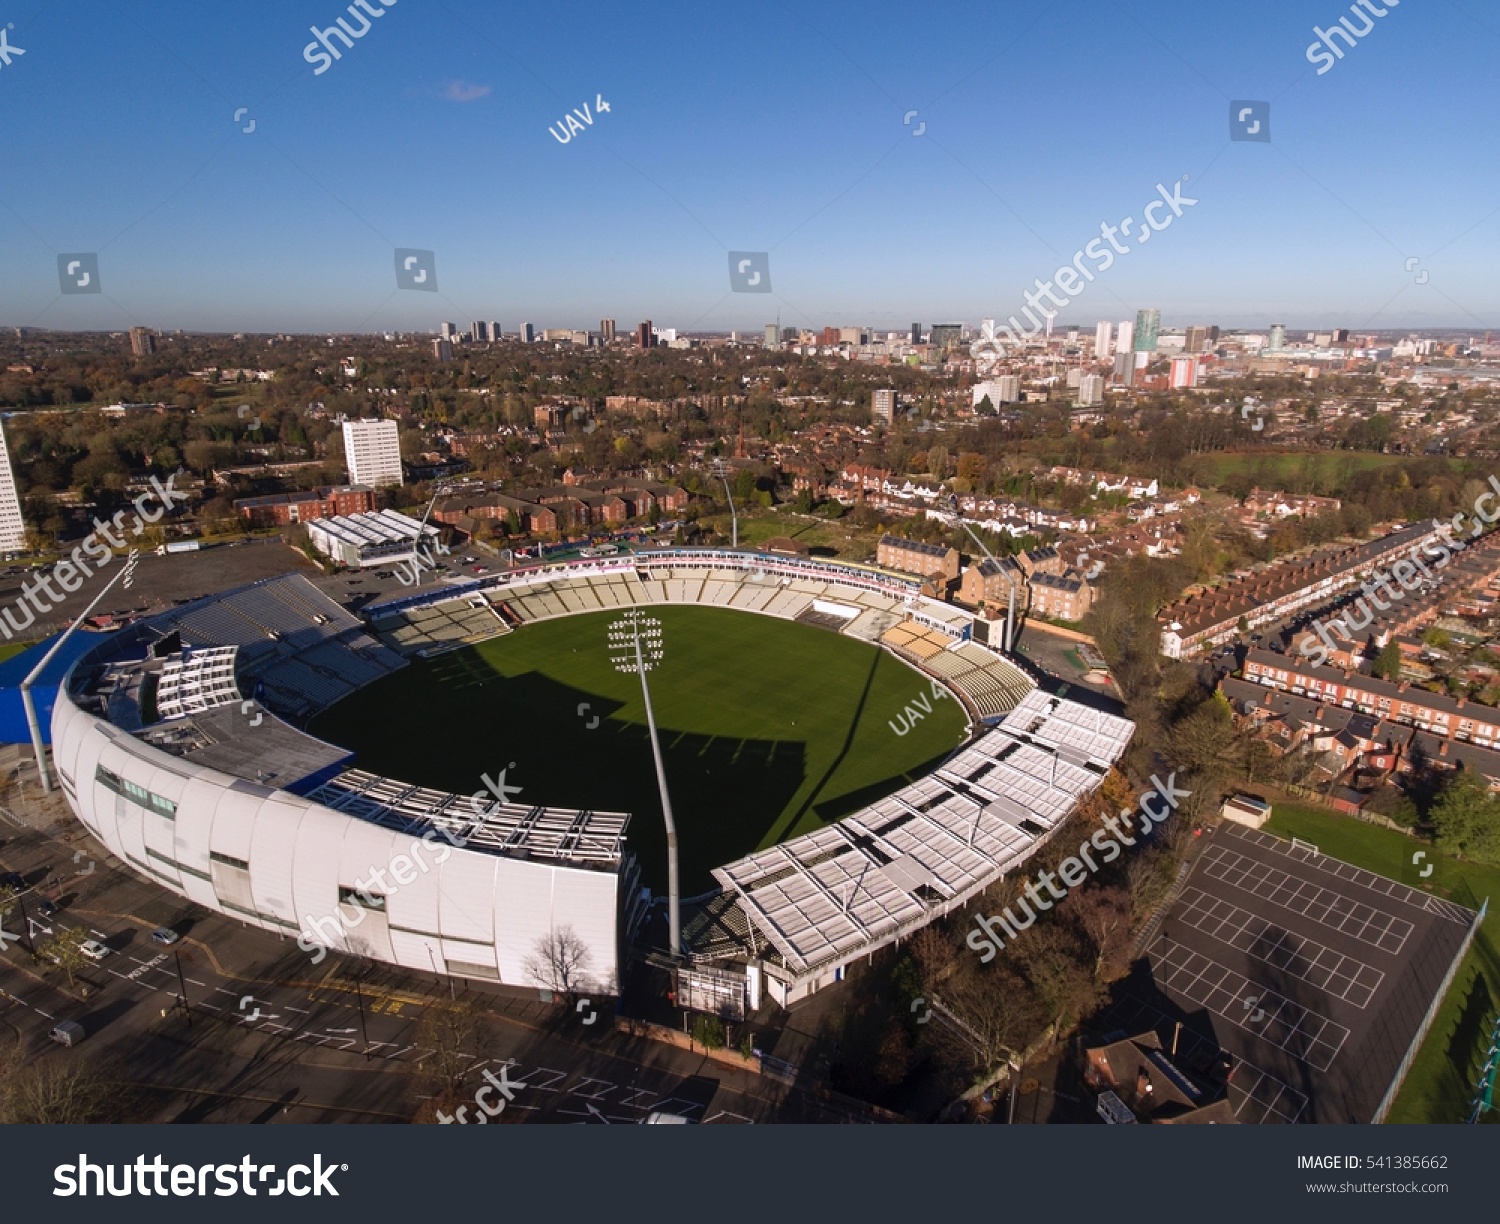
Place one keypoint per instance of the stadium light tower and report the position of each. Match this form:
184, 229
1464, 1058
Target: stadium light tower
635, 645
722, 472
128, 573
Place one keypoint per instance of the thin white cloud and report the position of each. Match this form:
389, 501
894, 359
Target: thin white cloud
462, 91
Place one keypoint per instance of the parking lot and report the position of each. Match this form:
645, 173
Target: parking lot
1313, 976
272, 1036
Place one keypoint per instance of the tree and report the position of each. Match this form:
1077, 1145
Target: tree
1056, 960
989, 1012
708, 1031
560, 961
65, 950
1204, 739
455, 1034
1387, 663
56, 1092
1103, 915
1466, 818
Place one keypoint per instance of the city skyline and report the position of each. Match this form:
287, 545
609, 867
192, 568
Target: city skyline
251, 193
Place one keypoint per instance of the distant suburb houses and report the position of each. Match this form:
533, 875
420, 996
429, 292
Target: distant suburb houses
564, 507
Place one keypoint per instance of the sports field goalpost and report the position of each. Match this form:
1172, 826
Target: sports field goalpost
1299, 844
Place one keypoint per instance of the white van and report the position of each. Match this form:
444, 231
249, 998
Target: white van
67, 1033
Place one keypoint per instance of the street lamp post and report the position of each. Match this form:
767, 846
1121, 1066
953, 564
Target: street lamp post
629, 653
359, 995
182, 988
128, 573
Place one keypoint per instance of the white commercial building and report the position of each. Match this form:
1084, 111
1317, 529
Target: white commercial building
1101, 341
12, 529
382, 537
372, 449
1003, 390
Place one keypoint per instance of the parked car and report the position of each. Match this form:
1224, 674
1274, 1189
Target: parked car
11, 880
46, 908
67, 1033
93, 949
165, 936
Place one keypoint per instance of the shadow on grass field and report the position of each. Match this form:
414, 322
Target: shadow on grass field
768, 728
1441, 1079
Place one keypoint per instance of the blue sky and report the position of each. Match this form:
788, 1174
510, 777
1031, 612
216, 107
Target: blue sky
763, 126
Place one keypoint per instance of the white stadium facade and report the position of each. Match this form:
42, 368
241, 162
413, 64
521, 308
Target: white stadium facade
178, 743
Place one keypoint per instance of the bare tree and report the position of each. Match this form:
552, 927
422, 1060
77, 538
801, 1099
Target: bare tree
457, 1036
988, 1013
1103, 915
560, 961
57, 1091
1057, 965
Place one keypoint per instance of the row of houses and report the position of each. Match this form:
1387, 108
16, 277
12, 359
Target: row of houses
1352, 745
1451, 718
1213, 616
1460, 588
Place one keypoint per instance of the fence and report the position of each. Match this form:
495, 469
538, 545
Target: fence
1421, 1034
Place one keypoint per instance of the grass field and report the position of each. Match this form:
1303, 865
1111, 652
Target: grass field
827, 537
1439, 1084
768, 728
1311, 471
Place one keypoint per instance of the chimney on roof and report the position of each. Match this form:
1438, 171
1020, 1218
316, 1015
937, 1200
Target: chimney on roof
1443, 749
1401, 688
